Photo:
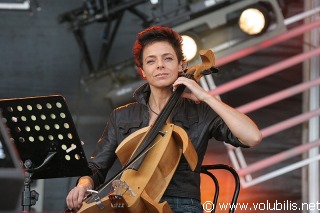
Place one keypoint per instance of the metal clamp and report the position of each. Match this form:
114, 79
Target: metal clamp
96, 198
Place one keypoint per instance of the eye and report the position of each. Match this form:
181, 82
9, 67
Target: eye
168, 58
150, 62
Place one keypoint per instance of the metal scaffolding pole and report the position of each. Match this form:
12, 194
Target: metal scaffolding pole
312, 68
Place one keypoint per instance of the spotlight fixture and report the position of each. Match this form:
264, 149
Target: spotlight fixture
191, 44
189, 47
254, 20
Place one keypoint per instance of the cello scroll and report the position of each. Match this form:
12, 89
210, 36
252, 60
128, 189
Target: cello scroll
207, 67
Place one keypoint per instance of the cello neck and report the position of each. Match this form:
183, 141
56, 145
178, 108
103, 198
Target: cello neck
165, 113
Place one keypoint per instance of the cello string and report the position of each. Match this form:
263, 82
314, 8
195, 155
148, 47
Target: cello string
142, 154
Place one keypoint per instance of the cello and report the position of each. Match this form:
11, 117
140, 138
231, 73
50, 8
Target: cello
150, 157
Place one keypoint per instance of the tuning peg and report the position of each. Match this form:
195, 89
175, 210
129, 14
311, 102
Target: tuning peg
210, 71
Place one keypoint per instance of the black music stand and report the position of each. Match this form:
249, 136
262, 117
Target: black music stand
45, 136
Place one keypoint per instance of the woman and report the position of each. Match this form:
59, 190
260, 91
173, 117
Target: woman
159, 58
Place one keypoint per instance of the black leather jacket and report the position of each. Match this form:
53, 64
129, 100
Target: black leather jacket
199, 121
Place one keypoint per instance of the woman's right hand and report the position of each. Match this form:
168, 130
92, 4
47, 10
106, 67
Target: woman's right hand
75, 197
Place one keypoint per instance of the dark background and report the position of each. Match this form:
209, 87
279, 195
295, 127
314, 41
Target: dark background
40, 56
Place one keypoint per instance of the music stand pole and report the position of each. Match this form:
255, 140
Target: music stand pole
29, 198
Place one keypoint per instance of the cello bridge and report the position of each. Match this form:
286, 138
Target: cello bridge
120, 187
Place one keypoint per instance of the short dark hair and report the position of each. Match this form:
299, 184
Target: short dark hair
154, 34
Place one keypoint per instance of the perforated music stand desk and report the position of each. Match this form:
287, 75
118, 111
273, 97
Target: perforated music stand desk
43, 125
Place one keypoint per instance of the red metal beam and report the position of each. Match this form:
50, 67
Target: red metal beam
283, 37
259, 74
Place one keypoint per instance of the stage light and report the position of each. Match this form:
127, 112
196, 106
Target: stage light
189, 47
254, 21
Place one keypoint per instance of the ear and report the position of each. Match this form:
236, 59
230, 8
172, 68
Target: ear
142, 74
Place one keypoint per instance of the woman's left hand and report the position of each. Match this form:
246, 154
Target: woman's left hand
197, 93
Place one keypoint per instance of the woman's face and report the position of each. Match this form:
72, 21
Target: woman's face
160, 64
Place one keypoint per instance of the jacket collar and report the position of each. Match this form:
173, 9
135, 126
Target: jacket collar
142, 93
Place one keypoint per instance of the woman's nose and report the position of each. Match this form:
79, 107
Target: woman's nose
160, 64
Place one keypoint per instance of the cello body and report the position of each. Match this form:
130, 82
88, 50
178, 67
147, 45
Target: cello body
151, 180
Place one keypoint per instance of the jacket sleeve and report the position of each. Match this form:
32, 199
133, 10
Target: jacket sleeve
104, 155
222, 133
